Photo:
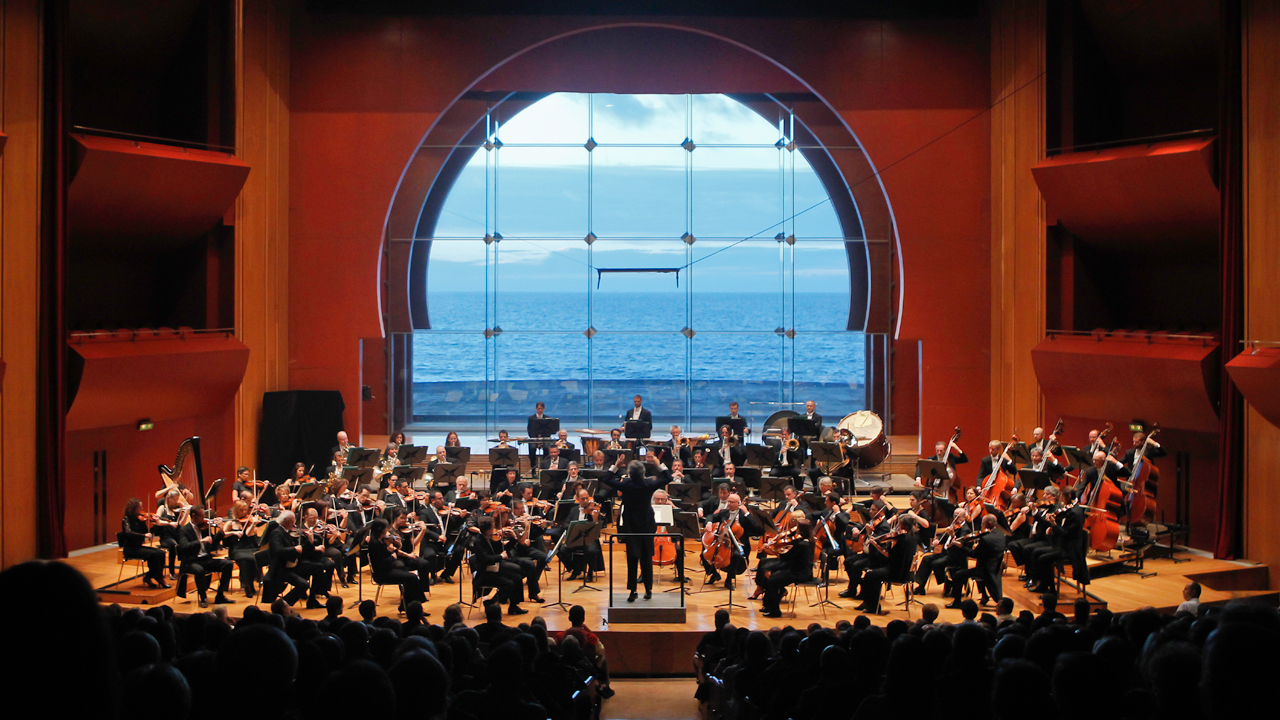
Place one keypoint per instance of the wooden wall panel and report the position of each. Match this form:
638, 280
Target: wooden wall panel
1017, 213
1261, 89
20, 179
262, 212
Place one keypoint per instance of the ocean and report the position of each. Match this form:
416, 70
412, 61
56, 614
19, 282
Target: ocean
462, 380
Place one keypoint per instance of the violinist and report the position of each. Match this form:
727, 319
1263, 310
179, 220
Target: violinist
732, 515
1030, 531
491, 566
285, 501
461, 491
319, 564
411, 538
243, 481
433, 515
1066, 531
171, 515
401, 494
284, 555
134, 534
455, 521
525, 547
794, 564
637, 517
832, 526
387, 559
899, 555
365, 511
240, 535
588, 559
988, 552
196, 545
301, 476
950, 554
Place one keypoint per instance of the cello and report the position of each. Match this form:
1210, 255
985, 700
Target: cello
664, 548
722, 547
1106, 504
1142, 484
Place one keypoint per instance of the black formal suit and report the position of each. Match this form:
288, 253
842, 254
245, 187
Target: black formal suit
535, 449
644, 415
737, 456
1068, 544
637, 517
672, 451
389, 569
1152, 453
711, 506
988, 554
588, 558
1089, 478
987, 466
897, 569
954, 459
560, 462
839, 526
284, 556
786, 463
791, 567
198, 560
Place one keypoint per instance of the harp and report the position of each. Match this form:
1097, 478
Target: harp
188, 459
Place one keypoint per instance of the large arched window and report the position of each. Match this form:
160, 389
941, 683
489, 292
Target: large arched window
596, 246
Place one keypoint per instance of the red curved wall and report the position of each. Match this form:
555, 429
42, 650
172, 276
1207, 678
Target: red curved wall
365, 90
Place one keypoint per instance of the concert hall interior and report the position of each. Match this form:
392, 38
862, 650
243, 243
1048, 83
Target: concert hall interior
240, 237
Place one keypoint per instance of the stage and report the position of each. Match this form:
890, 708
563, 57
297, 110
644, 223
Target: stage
647, 648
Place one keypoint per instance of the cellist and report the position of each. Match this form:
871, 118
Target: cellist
732, 515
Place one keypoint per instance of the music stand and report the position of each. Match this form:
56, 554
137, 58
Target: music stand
748, 476
684, 493
814, 501
611, 457
412, 474
702, 476
444, 474
637, 429
1078, 459
458, 455
687, 524
308, 492
552, 480
212, 491
739, 425
825, 452
412, 455
562, 509
507, 457
1034, 479
863, 511
544, 428
802, 427
760, 455
363, 457
580, 533
357, 476
772, 487
1018, 453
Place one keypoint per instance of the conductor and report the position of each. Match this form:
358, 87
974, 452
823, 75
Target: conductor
637, 517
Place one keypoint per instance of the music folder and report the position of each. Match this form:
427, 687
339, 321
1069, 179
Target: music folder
412, 474
664, 514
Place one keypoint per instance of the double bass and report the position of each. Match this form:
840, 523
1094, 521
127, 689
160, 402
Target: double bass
1142, 484
953, 487
1106, 504
998, 486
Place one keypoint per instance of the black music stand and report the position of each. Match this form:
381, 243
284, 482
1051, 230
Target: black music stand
760, 455
814, 501
686, 522
507, 457
412, 474
1078, 459
748, 476
309, 492
212, 491
637, 429
580, 533
552, 481
611, 457
412, 455
357, 476
702, 476
1018, 453
771, 489
545, 428
684, 493
825, 452
931, 472
444, 474
802, 427
555, 552
1034, 479
458, 455
363, 457
739, 425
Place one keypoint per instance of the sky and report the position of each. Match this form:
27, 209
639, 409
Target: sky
638, 201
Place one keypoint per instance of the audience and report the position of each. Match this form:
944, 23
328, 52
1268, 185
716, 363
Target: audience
1201, 662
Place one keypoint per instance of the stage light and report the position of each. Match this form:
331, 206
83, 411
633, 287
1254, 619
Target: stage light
145, 424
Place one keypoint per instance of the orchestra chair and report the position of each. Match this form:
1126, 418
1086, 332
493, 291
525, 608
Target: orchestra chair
813, 584
120, 558
378, 595
906, 581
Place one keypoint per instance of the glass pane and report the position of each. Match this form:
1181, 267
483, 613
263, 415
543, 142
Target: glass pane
643, 119
640, 301
820, 221
821, 285
652, 366
737, 286
541, 285
541, 192
558, 118
464, 212
551, 367
737, 193
830, 369
735, 367
719, 119
639, 192
449, 388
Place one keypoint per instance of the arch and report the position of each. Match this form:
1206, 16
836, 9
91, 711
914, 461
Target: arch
440, 154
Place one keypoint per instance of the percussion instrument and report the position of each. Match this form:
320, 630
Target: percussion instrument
870, 444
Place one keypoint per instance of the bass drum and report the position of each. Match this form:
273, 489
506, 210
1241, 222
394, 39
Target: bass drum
870, 444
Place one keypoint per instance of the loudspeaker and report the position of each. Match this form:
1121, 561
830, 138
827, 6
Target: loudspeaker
298, 426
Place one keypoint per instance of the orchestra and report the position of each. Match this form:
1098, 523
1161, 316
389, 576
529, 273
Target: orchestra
1030, 502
